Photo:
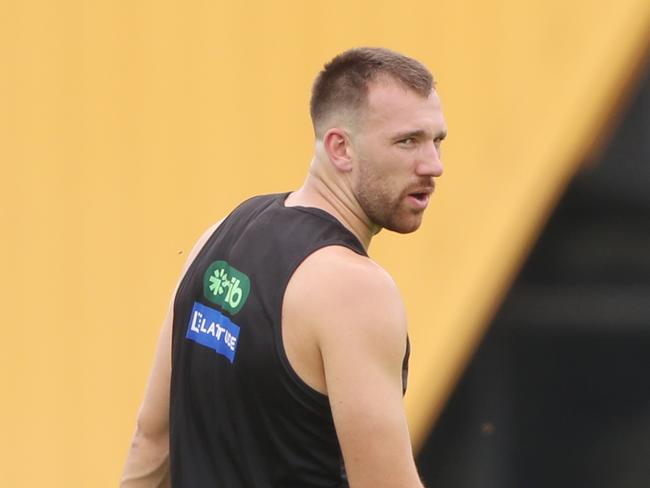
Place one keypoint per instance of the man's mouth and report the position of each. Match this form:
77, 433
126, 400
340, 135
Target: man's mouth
420, 198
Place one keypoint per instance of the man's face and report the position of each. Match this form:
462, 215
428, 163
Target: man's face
397, 148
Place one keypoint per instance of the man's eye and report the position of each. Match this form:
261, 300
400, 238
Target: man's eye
409, 141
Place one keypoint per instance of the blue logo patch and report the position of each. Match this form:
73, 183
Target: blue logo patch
212, 329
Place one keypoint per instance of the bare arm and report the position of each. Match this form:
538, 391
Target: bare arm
356, 315
147, 462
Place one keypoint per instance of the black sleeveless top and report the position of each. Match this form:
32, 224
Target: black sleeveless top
240, 417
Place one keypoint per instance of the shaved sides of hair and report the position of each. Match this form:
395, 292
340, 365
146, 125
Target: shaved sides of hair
343, 83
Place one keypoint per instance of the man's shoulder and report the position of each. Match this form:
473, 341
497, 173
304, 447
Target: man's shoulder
344, 261
336, 283
257, 202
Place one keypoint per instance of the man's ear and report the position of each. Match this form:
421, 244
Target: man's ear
337, 146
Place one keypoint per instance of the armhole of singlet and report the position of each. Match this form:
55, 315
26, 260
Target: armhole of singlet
191, 269
279, 342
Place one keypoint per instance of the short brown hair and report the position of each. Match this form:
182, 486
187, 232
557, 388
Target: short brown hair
343, 82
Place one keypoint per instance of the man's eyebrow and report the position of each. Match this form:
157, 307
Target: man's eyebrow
419, 134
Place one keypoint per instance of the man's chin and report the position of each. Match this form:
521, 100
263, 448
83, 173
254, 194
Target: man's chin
405, 226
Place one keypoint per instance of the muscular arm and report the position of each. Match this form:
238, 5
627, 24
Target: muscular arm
354, 315
147, 462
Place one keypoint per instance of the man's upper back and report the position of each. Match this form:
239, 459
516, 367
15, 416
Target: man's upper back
240, 415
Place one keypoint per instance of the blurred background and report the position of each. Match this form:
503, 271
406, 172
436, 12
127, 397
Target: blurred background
558, 393
127, 128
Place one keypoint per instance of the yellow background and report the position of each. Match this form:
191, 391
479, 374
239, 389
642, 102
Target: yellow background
128, 127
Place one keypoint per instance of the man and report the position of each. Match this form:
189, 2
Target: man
288, 345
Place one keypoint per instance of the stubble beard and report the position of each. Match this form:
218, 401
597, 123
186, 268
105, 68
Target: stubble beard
381, 207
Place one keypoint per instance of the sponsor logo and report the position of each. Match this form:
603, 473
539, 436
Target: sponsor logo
226, 286
212, 329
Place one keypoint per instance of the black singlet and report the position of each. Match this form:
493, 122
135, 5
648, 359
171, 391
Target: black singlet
240, 417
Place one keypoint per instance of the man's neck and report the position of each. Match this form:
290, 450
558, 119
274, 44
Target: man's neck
316, 192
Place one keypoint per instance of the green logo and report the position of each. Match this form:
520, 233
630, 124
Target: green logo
226, 286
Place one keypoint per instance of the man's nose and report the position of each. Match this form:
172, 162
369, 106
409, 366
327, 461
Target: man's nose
430, 163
